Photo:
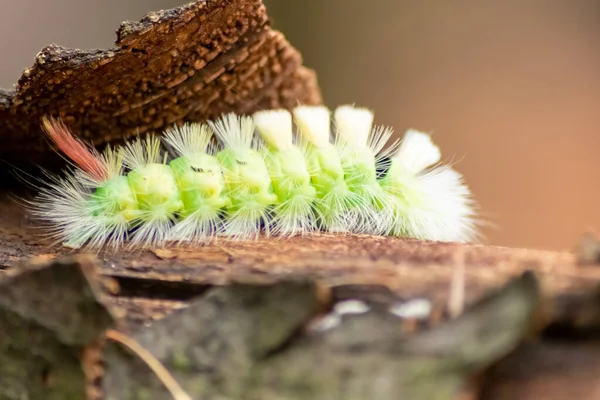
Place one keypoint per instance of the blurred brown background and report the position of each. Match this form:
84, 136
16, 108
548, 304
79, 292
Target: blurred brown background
511, 89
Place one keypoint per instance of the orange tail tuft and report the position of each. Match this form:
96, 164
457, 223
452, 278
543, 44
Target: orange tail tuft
75, 149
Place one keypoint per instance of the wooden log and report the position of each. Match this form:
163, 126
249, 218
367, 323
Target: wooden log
247, 342
190, 63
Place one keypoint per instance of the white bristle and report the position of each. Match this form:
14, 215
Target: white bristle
275, 127
62, 204
235, 132
353, 125
447, 212
142, 151
189, 139
313, 124
417, 152
442, 208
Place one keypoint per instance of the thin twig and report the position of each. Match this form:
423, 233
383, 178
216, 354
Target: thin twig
456, 299
155, 365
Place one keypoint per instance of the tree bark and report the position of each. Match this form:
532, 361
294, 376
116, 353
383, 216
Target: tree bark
188, 64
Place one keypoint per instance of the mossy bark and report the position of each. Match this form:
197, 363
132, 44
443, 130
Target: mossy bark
47, 318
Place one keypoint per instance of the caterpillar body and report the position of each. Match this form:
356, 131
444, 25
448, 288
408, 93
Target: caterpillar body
259, 178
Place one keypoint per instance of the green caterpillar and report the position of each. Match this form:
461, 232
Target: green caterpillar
260, 178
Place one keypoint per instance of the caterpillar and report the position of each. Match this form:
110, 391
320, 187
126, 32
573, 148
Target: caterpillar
276, 173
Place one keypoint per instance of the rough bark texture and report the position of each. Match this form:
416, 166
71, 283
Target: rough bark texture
190, 63
48, 317
243, 342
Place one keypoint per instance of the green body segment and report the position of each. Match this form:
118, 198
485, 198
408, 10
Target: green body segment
401, 200
327, 174
156, 189
327, 177
360, 172
115, 197
113, 205
295, 209
289, 175
200, 182
247, 181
